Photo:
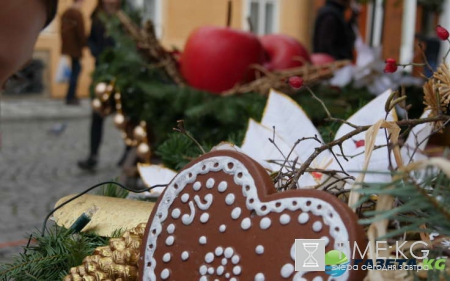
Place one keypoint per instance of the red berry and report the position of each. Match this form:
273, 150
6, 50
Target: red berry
442, 33
390, 60
391, 66
360, 143
295, 82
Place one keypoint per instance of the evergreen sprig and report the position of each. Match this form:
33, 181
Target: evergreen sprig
420, 200
50, 257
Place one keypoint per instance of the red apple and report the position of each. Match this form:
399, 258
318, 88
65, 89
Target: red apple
321, 58
283, 52
216, 58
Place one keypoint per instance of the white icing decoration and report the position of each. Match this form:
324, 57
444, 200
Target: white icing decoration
204, 206
203, 269
317, 278
259, 249
220, 270
265, 223
233, 279
203, 278
237, 270
259, 277
176, 213
209, 257
218, 251
327, 240
228, 252
233, 167
197, 185
222, 228
188, 219
165, 274
210, 183
230, 199
170, 240
185, 255
303, 218
235, 214
287, 270
317, 226
224, 261
185, 198
204, 217
235, 259
285, 219
293, 251
222, 186
211, 270
246, 223
202, 240
227, 275
171, 228
166, 257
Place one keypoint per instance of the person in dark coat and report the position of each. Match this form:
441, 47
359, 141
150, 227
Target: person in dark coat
98, 41
333, 35
73, 40
21, 21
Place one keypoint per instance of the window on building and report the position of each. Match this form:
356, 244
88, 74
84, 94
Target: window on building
263, 15
151, 9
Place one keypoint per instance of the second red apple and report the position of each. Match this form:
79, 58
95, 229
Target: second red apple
283, 52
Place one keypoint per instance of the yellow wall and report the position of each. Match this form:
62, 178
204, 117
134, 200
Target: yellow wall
296, 20
49, 41
181, 17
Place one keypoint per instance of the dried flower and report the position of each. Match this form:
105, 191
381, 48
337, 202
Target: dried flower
391, 65
442, 33
442, 84
432, 101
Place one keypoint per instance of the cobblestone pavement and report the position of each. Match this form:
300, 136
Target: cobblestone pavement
38, 163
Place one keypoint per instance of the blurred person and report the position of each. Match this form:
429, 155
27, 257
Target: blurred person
21, 21
333, 34
98, 41
73, 39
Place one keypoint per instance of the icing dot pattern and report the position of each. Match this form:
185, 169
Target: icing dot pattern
227, 256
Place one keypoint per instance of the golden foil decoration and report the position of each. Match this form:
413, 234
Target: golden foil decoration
116, 262
143, 151
96, 104
139, 133
119, 121
100, 89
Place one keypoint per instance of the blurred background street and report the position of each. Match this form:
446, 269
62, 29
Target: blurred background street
42, 139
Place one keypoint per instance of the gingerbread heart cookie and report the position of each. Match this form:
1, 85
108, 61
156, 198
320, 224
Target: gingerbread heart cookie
221, 219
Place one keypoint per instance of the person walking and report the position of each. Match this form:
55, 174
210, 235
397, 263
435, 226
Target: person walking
98, 41
333, 34
73, 39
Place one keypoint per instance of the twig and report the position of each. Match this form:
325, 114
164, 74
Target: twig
181, 129
356, 131
229, 12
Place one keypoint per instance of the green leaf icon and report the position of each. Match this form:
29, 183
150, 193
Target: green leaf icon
335, 257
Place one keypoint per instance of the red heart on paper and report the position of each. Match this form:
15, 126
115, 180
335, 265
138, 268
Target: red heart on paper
221, 219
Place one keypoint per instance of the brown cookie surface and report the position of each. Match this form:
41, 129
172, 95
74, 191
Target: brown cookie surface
221, 219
